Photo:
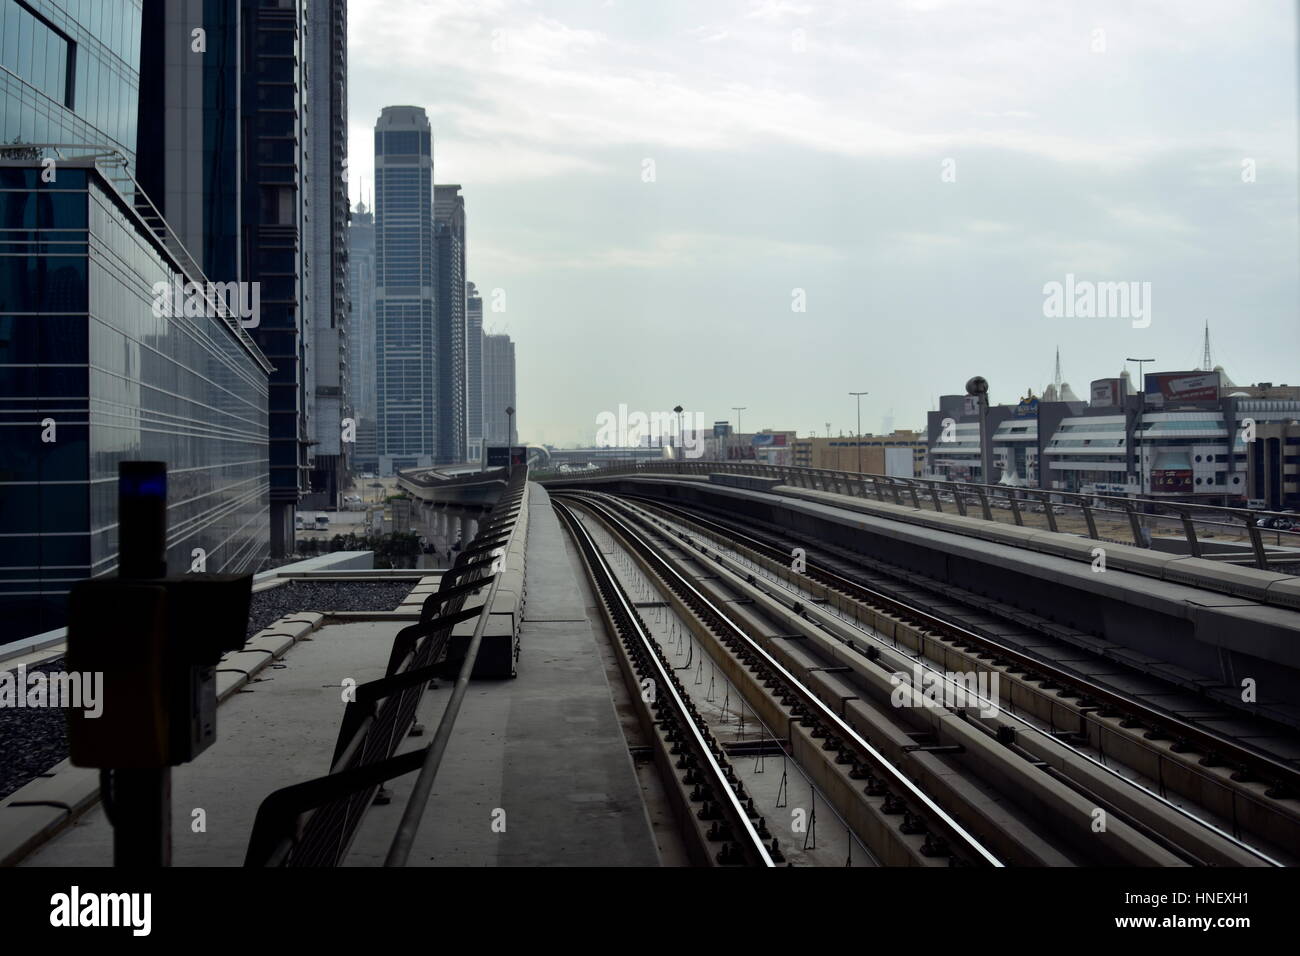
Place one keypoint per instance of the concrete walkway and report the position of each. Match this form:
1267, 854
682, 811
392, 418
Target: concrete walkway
541, 755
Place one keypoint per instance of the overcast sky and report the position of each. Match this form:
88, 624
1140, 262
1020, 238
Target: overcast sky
920, 170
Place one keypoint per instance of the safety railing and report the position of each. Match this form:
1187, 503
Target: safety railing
1117, 519
313, 823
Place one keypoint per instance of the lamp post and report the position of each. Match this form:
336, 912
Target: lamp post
1142, 410
510, 439
677, 410
859, 395
738, 409
978, 387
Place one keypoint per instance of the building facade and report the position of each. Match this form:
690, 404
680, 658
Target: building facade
405, 290
361, 337
901, 453
473, 373
188, 390
326, 220
499, 391
1184, 437
449, 240
273, 252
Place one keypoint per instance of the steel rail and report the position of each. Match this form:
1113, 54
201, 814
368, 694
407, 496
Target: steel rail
1282, 775
671, 575
724, 534
632, 620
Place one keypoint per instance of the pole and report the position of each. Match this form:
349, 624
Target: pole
1142, 413
738, 409
859, 395
141, 799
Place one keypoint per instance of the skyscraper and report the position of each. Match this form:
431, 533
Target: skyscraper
474, 372
361, 336
326, 225
449, 239
405, 290
499, 390
96, 365
273, 142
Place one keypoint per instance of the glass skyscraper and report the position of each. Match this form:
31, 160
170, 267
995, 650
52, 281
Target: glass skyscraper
93, 369
473, 372
361, 335
405, 335
499, 390
449, 239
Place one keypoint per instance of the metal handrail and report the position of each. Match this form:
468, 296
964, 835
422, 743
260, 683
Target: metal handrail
890, 488
378, 718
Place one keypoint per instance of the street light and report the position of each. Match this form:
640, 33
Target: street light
1142, 409
978, 387
677, 410
738, 409
859, 441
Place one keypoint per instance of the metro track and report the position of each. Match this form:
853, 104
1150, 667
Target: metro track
1181, 837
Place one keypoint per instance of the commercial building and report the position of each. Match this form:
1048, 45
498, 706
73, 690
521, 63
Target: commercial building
499, 390
273, 144
96, 365
405, 290
901, 453
361, 337
473, 373
1183, 437
449, 241
325, 222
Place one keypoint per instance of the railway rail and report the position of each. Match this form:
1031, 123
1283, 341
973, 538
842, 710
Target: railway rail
1251, 791
916, 827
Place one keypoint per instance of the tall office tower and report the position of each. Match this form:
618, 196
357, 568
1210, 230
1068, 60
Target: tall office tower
499, 390
327, 218
99, 364
189, 106
361, 336
474, 372
273, 142
449, 240
405, 290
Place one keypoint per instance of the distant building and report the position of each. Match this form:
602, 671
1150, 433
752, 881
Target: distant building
901, 453
361, 337
1181, 438
499, 390
473, 373
405, 290
449, 240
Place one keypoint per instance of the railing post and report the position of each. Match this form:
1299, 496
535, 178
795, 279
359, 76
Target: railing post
1135, 524
1256, 543
934, 497
961, 502
1190, 530
1014, 498
984, 502
916, 502
1087, 516
875, 483
1049, 510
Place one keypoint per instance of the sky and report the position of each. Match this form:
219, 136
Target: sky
773, 203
